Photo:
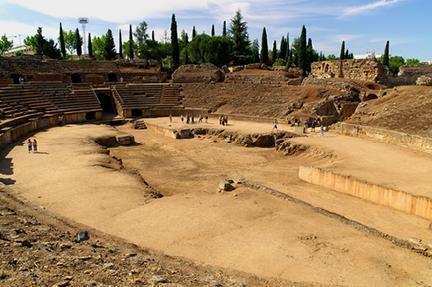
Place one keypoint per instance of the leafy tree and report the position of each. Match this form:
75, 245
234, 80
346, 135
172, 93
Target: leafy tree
120, 45
279, 62
109, 52
42, 47
90, 46
78, 43
62, 42
274, 52
131, 44
224, 30
302, 52
193, 32
331, 57
141, 33
5, 44
386, 56
412, 62
213, 31
70, 41
206, 49
342, 51
98, 45
174, 44
395, 62
255, 51
264, 57
239, 36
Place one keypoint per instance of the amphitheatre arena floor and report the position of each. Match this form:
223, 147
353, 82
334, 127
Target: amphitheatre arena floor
243, 230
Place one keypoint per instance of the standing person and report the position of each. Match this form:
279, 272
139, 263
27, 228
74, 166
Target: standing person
275, 123
35, 149
170, 118
206, 119
313, 125
322, 130
187, 119
29, 145
226, 120
182, 118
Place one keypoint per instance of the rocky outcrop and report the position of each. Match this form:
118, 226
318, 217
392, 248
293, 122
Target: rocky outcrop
424, 81
204, 73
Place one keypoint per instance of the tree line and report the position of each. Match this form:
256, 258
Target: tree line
231, 47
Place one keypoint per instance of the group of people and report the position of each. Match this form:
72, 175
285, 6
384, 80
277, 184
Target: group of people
223, 120
32, 145
312, 124
190, 119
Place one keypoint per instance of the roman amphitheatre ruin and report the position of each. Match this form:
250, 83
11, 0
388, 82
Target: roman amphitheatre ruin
170, 203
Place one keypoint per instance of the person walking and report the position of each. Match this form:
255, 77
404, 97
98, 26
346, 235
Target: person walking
35, 148
322, 130
275, 124
206, 119
29, 145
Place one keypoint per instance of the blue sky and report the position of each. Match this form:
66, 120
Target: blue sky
364, 24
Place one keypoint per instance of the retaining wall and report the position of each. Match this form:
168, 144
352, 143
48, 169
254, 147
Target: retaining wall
399, 200
392, 137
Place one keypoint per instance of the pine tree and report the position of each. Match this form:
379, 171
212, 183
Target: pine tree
274, 52
186, 49
120, 45
78, 43
264, 57
62, 42
386, 56
342, 51
239, 37
90, 46
283, 47
153, 36
213, 31
224, 31
193, 32
302, 53
131, 43
174, 44
288, 57
109, 51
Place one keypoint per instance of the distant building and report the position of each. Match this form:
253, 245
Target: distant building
25, 50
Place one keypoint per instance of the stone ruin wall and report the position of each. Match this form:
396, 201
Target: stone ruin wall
33, 68
362, 70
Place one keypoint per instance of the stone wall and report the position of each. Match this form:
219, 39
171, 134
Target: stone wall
204, 73
387, 136
399, 200
363, 70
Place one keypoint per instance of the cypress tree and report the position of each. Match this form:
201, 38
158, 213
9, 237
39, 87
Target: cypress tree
213, 31
174, 44
120, 45
78, 43
342, 51
386, 56
193, 32
153, 37
186, 49
224, 31
131, 43
347, 54
109, 49
283, 47
310, 54
90, 46
288, 56
274, 52
264, 58
62, 42
302, 53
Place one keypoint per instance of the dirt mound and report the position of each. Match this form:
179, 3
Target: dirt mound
253, 75
205, 73
405, 109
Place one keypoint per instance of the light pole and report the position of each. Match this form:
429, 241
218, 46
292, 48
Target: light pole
84, 22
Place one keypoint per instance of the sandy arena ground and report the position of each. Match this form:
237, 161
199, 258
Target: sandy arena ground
243, 230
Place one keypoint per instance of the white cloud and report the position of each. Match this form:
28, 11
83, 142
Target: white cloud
355, 10
17, 31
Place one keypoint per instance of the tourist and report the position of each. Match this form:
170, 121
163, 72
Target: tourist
206, 119
275, 124
182, 118
200, 119
226, 120
221, 120
322, 130
305, 127
187, 119
29, 145
170, 118
313, 124
192, 119
35, 145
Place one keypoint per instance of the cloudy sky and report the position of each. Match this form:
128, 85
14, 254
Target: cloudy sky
364, 24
